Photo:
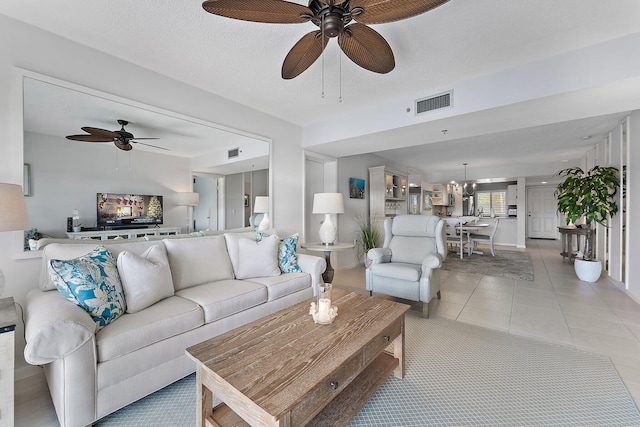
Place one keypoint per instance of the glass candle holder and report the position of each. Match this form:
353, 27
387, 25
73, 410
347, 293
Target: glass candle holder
322, 310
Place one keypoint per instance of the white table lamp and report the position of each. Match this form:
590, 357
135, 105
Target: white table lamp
327, 204
188, 199
261, 205
13, 213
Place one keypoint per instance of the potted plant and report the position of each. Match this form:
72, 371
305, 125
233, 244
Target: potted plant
367, 237
590, 195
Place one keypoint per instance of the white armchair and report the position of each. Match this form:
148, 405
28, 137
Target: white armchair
408, 264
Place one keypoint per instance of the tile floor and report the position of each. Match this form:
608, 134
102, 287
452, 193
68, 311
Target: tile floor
556, 307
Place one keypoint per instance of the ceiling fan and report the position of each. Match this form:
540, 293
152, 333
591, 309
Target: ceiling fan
121, 138
361, 44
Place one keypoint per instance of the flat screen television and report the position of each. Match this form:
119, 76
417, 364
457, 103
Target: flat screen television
127, 210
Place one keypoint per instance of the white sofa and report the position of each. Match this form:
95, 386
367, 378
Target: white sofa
92, 374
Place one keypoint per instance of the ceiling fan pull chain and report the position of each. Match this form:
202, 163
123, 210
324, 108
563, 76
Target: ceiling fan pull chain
322, 56
340, 77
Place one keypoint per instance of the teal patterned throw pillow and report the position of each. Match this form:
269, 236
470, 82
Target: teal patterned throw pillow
91, 282
287, 258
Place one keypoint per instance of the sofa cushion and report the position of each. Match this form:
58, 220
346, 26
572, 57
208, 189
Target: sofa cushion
411, 249
146, 278
398, 270
257, 259
92, 282
225, 297
285, 284
195, 261
232, 245
167, 318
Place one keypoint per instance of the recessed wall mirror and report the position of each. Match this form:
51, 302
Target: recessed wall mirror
122, 147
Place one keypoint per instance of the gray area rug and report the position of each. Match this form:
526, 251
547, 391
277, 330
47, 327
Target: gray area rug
457, 375
509, 264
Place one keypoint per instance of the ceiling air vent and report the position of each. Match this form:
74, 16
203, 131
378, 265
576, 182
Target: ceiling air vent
436, 102
233, 153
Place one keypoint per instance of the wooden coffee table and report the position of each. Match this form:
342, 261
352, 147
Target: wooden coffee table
284, 370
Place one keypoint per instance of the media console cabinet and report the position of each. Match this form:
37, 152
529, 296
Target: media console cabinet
124, 233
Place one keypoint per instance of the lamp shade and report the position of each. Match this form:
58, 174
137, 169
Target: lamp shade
261, 204
328, 203
13, 210
188, 199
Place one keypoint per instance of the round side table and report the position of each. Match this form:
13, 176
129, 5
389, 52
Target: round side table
327, 276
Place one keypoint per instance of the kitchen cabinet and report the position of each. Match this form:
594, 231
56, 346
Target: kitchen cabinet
388, 193
440, 195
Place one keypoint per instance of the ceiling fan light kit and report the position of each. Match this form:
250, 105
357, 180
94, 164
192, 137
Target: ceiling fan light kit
361, 44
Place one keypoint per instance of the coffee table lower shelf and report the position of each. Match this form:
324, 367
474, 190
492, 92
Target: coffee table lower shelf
341, 409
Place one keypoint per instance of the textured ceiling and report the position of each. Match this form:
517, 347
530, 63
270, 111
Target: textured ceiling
459, 41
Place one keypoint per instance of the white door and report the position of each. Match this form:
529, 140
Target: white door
542, 221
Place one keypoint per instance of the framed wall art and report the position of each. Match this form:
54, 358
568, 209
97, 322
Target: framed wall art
356, 188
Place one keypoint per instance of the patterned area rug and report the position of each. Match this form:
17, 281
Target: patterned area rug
457, 375
509, 264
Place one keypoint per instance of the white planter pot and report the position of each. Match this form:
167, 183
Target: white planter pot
588, 271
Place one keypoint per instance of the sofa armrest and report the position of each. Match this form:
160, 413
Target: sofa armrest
54, 327
315, 266
379, 255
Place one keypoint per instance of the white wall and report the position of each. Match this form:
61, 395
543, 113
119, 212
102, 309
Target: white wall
633, 206
66, 175
36, 50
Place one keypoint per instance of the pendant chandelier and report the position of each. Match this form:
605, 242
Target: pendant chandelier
467, 190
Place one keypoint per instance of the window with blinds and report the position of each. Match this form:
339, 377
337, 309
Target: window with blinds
496, 200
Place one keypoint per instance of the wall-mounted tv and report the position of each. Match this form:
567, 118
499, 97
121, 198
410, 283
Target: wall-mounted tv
120, 210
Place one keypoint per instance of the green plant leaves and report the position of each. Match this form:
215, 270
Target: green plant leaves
590, 194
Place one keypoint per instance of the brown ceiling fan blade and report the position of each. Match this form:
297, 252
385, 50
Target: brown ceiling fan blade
123, 147
101, 132
381, 11
150, 145
270, 11
303, 54
367, 48
89, 138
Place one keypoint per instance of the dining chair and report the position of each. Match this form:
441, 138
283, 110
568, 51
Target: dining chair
474, 238
453, 233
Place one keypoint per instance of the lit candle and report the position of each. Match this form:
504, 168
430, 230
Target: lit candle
324, 305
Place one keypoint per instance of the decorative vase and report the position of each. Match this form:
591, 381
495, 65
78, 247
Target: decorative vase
588, 271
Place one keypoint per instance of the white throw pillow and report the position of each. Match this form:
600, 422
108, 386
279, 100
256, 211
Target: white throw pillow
258, 259
232, 245
146, 278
